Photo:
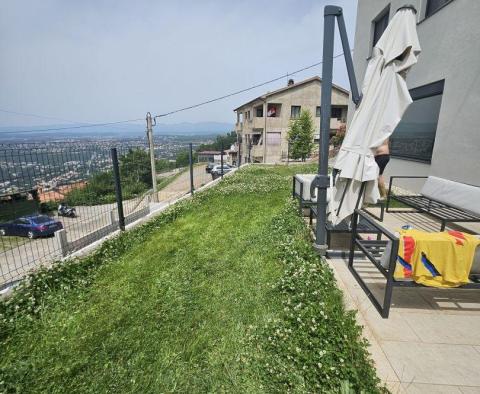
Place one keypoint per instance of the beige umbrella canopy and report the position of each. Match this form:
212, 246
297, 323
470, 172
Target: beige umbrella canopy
385, 99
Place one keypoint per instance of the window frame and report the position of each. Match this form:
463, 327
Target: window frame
299, 111
333, 107
421, 92
318, 111
385, 12
427, 4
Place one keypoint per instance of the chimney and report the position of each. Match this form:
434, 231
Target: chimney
290, 82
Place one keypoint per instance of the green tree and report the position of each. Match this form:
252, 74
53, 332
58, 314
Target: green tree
135, 166
227, 140
300, 136
183, 158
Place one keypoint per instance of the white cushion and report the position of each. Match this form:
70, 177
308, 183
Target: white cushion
455, 194
306, 180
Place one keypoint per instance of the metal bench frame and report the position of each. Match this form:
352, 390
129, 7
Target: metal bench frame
366, 228
373, 250
421, 204
302, 203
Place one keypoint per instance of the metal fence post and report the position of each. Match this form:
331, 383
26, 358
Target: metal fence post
221, 159
118, 189
288, 152
190, 158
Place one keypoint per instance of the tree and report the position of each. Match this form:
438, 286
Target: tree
183, 158
227, 140
300, 136
135, 166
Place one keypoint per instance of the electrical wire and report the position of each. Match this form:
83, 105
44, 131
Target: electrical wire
37, 116
156, 116
242, 90
72, 127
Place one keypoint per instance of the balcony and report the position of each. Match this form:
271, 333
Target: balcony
258, 123
275, 123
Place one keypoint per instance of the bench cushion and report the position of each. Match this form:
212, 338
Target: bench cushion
455, 194
306, 180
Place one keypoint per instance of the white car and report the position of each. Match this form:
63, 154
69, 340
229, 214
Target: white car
217, 170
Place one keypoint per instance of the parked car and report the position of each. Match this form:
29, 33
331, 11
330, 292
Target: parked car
209, 166
217, 170
31, 226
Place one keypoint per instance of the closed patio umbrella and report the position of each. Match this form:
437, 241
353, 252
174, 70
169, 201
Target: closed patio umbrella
385, 98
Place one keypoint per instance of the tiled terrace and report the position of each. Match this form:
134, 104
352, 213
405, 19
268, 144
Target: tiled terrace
431, 341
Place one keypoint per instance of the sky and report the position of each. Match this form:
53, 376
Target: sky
105, 61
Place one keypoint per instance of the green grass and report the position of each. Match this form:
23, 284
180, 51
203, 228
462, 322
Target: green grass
218, 294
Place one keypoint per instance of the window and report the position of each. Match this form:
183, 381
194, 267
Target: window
273, 110
295, 112
434, 5
259, 111
414, 136
336, 112
256, 139
380, 23
318, 111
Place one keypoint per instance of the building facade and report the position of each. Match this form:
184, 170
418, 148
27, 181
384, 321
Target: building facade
439, 133
262, 124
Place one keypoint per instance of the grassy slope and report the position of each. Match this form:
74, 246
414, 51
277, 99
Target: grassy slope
173, 313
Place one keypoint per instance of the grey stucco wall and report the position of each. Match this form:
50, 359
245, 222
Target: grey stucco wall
450, 41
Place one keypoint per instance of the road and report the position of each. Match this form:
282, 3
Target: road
92, 223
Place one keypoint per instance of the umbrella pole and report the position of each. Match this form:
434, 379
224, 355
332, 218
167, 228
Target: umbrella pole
321, 181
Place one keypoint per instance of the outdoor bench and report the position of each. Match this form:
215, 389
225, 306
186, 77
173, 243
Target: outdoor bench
301, 190
382, 253
445, 200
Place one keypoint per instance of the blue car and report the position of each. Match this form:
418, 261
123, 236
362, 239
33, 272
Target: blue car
31, 226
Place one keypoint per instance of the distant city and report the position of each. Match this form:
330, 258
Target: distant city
47, 163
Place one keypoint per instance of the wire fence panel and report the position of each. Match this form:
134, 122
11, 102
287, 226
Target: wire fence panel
56, 198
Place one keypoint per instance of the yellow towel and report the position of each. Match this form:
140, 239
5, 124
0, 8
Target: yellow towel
435, 259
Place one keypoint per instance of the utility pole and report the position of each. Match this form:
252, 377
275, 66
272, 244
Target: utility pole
152, 156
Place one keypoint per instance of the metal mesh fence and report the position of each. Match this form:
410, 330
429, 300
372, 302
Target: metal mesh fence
56, 198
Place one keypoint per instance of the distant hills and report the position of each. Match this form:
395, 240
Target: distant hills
124, 130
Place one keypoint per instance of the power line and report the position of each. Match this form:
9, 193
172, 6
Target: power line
243, 90
157, 116
72, 127
37, 116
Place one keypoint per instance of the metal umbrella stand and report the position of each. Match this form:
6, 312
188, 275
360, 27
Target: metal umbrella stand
321, 180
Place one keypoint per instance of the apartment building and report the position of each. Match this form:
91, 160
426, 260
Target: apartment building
439, 133
263, 122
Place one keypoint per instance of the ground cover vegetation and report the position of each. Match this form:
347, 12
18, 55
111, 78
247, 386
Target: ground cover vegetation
220, 293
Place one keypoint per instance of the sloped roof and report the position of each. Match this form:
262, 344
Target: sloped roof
295, 85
